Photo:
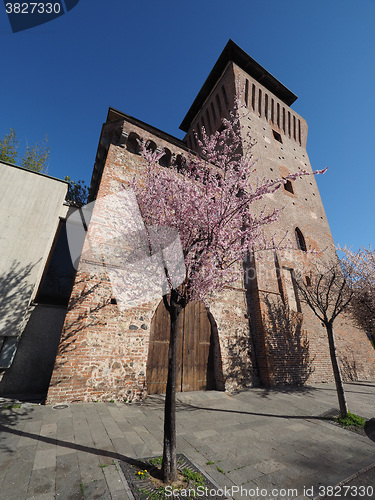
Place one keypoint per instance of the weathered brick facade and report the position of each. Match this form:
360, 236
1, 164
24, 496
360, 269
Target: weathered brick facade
104, 350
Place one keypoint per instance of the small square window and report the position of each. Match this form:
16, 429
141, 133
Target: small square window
288, 186
277, 136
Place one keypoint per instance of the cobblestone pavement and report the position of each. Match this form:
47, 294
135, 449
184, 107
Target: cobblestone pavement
270, 443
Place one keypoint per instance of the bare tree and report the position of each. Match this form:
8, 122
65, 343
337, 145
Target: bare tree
327, 293
359, 267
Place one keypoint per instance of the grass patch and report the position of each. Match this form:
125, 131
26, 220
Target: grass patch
12, 406
195, 478
156, 461
145, 479
351, 420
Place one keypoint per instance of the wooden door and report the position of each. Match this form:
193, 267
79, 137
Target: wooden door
194, 350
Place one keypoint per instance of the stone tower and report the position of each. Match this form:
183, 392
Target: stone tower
244, 337
280, 136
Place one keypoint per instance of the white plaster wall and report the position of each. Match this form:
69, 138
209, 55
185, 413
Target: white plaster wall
30, 207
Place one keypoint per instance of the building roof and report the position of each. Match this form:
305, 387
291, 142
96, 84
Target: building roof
13, 165
234, 53
115, 115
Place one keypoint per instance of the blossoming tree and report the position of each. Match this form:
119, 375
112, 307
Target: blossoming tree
210, 201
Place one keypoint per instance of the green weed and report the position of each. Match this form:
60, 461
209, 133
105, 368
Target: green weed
351, 420
195, 477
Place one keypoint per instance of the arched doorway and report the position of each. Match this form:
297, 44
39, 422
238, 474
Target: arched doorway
198, 351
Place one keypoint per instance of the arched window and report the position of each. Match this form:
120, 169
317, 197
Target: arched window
165, 160
132, 144
180, 163
151, 146
300, 240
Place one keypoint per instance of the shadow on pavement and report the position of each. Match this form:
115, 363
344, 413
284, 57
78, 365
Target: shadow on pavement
365, 384
370, 429
157, 402
11, 413
256, 414
286, 389
73, 446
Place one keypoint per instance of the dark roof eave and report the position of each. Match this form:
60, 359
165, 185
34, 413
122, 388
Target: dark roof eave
115, 114
232, 52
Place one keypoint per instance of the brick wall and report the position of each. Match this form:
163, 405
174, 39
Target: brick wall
103, 350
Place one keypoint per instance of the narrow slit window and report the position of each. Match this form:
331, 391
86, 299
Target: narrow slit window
278, 115
266, 106
247, 92
288, 186
203, 126
272, 111
277, 136
253, 97
260, 102
213, 113
225, 95
208, 121
218, 102
300, 240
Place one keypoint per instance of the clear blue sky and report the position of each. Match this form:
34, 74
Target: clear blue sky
150, 58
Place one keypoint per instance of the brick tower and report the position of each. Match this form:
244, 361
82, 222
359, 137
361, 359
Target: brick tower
106, 353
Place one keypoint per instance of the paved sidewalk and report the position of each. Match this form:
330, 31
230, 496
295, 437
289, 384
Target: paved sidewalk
265, 439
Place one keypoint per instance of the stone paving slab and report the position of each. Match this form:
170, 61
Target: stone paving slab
266, 439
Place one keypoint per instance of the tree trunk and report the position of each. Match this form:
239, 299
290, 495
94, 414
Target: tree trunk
336, 371
169, 465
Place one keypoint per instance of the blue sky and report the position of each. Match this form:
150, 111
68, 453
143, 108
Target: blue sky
150, 58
